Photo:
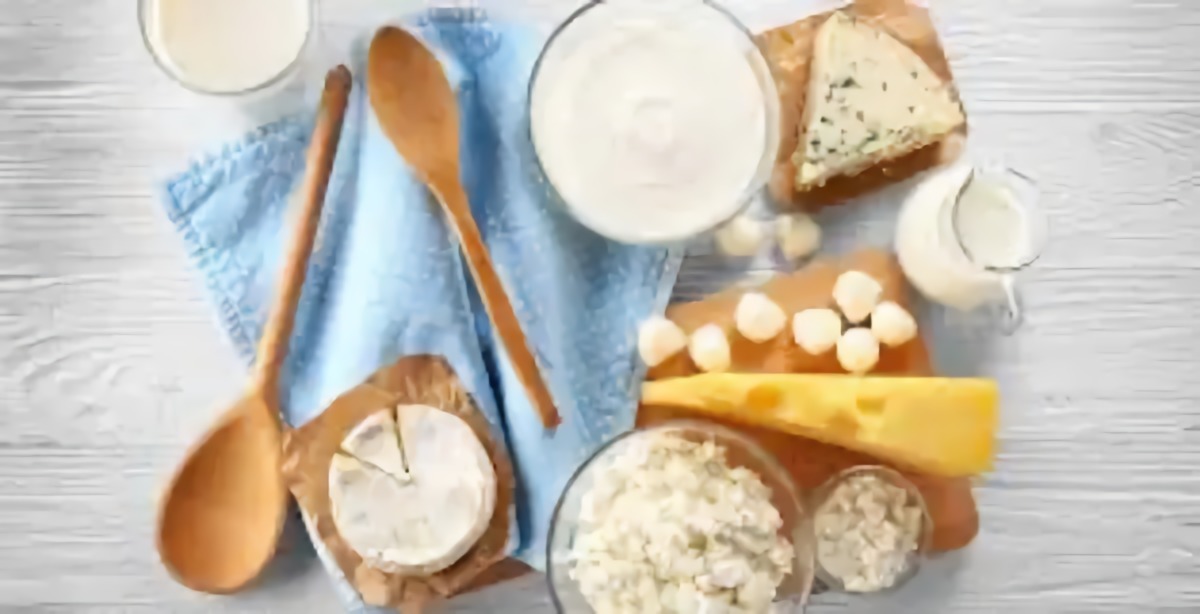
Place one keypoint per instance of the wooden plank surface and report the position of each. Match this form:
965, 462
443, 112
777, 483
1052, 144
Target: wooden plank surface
109, 363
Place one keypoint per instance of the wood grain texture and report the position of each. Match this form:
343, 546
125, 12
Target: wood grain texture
107, 349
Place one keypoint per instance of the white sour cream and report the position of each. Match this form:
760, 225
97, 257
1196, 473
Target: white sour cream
653, 124
226, 46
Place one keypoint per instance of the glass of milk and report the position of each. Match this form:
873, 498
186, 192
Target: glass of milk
965, 231
228, 47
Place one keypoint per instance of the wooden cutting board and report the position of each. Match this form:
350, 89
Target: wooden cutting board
950, 500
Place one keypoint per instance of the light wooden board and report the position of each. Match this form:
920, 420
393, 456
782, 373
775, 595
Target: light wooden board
109, 361
951, 501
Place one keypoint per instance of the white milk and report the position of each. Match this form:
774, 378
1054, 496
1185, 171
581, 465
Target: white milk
653, 127
991, 225
226, 46
960, 257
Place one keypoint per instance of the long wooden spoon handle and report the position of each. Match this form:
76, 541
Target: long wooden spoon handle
273, 346
495, 301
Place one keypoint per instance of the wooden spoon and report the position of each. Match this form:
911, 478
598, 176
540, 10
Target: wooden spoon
416, 108
222, 514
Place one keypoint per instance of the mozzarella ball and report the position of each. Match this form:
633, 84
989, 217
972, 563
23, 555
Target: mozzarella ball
798, 234
892, 324
817, 330
709, 349
858, 350
856, 294
742, 236
758, 318
659, 339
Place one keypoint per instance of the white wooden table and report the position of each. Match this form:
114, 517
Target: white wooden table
110, 362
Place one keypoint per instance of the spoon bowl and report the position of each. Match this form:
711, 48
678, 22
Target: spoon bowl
222, 514
219, 527
415, 104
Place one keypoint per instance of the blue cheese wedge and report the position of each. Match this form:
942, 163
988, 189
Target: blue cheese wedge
870, 99
422, 518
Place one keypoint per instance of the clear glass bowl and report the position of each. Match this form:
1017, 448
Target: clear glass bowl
668, 12
796, 588
891, 476
271, 84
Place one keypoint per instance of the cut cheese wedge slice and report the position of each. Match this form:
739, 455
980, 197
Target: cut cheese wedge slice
375, 441
940, 426
870, 98
422, 520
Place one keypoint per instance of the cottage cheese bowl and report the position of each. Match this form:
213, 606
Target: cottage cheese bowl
682, 517
654, 121
872, 529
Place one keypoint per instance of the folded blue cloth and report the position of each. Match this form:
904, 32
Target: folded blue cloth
387, 279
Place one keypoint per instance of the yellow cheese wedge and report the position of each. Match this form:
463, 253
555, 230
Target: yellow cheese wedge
940, 426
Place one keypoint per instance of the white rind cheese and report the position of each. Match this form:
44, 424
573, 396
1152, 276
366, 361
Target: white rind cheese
375, 441
870, 98
422, 521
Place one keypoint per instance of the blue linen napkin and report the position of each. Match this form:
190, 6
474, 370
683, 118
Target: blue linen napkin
387, 280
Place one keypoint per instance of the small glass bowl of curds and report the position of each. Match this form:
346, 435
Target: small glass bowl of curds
872, 530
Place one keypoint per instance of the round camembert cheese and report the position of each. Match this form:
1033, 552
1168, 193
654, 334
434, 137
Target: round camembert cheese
412, 492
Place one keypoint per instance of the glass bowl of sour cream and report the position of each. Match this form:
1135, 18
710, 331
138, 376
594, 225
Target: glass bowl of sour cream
227, 47
685, 516
653, 121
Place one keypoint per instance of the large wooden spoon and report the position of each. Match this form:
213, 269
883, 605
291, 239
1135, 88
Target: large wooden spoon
222, 514
416, 108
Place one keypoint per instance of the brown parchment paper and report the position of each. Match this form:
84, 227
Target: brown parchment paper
789, 50
308, 451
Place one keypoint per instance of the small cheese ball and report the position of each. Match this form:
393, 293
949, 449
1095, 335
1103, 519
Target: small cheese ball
742, 237
817, 330
858, 351
798, 234
709, 349
659, 339
892, 324
856, 294
758, 318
